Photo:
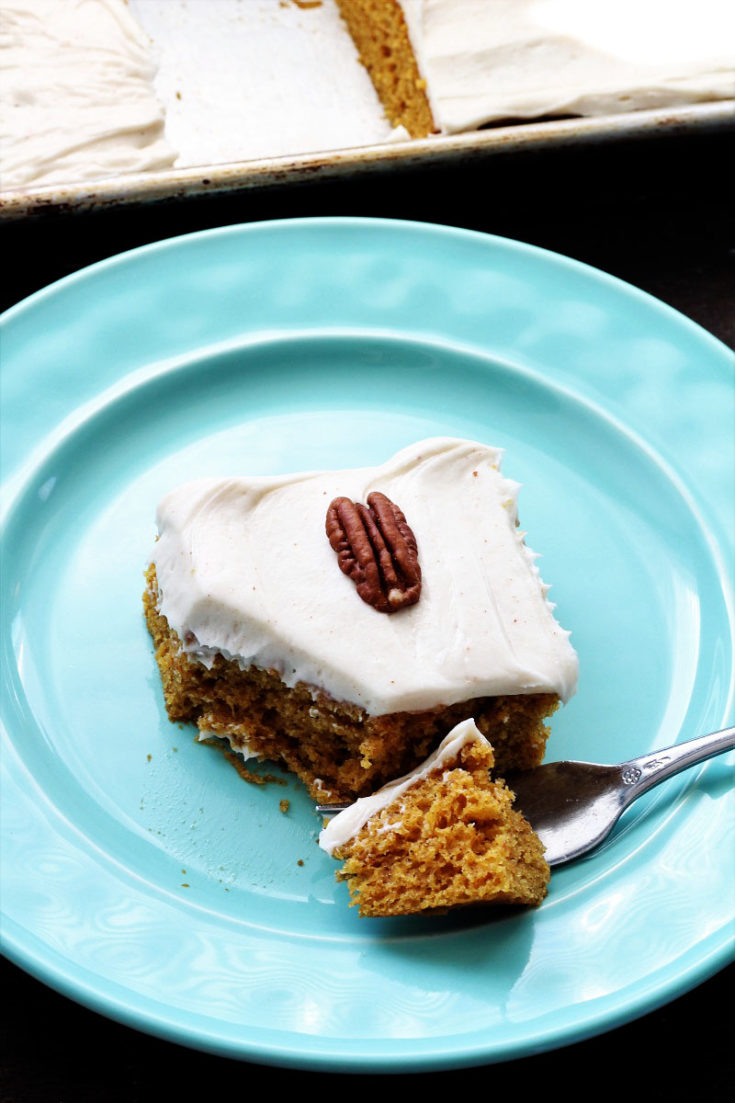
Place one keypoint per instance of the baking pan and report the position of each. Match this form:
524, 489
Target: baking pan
182, 184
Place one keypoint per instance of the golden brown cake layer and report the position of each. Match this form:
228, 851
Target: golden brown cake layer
379, 32
336, 748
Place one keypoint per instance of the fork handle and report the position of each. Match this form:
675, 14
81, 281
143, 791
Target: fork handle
642, 773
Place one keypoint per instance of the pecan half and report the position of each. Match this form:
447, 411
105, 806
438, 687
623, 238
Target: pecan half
376, 548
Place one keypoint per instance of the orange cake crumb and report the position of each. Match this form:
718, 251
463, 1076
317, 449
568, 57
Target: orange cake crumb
378, 29
450, 839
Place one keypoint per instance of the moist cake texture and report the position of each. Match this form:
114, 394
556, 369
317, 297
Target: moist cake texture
445, 836
380, 33
263, 641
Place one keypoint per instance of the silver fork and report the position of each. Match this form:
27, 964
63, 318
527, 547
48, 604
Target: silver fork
573, 806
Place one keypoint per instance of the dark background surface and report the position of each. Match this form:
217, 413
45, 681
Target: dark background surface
57, 1052
657, 213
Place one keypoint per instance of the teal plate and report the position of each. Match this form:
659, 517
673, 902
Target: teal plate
141, 875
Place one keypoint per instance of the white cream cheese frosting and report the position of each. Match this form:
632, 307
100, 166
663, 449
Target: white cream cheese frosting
346, 824
76, 93
245, 569
489, 60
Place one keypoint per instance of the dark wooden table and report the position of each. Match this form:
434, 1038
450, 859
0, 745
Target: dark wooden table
658, 213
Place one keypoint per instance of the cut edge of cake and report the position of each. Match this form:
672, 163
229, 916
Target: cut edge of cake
379, 31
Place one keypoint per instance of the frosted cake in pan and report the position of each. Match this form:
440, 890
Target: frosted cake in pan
96, 89
456, 65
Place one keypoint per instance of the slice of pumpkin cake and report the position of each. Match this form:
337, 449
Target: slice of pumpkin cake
340, 623
444, 836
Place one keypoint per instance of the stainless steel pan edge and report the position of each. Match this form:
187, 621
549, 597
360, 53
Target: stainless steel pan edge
183, 184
